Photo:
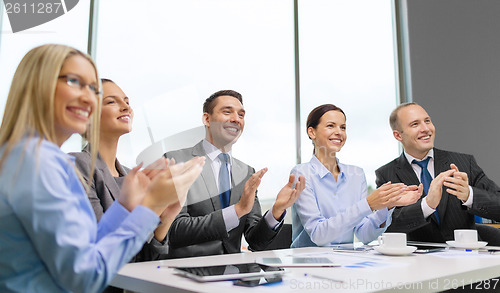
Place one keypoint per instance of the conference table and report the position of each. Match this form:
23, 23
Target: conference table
365, 271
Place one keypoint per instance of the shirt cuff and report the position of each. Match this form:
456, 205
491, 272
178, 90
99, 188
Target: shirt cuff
230, 218
143, 220
381, 215
426, 209
117, 214
468, 203
272, 222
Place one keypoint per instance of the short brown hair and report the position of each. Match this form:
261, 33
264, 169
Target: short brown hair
393, 118
209, 105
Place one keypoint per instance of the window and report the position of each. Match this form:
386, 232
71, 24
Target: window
69, 29
347, 59
169, 56
174, 57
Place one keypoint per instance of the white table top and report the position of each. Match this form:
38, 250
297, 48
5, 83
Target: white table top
360, 272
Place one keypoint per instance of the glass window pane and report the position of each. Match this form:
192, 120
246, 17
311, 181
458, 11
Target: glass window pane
69, 29
170, 59
347, 59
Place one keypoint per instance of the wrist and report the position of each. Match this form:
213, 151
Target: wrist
152, 206
238, 210
370, 203
431, 202
277, 212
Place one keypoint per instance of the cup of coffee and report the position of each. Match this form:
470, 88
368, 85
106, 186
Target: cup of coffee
392, 240
465, 236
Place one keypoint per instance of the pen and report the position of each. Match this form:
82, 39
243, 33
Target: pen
324, 278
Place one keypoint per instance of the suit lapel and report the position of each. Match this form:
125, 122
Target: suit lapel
238, 176
441, 164
109, 180
207, 175
405, 172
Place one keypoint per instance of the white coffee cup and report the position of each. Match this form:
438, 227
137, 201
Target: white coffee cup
392, 240
465, 236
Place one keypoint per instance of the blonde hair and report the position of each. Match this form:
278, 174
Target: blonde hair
30, 104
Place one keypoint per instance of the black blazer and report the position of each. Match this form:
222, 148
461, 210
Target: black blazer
199, 229
453, 215
103, 191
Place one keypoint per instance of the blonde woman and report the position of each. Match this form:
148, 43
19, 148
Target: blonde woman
49, 238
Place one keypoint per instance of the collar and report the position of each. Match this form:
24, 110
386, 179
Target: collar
323, 171
410, 158
212, 151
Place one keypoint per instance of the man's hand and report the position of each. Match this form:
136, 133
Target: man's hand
288, 195
409, 196
458, 184
385, 196
245, 205
436, 189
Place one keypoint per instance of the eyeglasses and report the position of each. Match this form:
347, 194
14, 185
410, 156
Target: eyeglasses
75, 82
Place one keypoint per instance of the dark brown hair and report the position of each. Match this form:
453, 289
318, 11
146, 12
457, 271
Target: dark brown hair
209, 104
318, 112
103, 80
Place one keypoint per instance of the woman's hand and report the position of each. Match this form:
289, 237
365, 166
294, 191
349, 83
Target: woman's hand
170, 186
386, 195
136, 183
133, 189
409, 196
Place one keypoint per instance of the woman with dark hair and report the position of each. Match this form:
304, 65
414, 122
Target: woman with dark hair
104, 186
335, 206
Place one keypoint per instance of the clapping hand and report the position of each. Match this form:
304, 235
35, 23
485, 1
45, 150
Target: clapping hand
161, 184
172, 184
245, 205
458, 184
409, 196
386, 195
436, 189
288, 195
133, 189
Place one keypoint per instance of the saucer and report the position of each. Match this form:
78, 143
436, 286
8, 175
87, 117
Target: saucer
395, 250
471, 245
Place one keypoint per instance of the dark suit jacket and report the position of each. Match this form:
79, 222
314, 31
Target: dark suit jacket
103, 191
199, 229
452, 214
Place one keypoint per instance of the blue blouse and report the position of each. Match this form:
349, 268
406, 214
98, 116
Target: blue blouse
49, 238
331, 212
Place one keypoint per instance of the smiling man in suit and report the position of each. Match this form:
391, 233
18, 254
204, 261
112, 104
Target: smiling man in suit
222, 204
455, 187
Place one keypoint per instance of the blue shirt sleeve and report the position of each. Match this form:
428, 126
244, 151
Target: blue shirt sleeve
331, 211
369, 228
56, 227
